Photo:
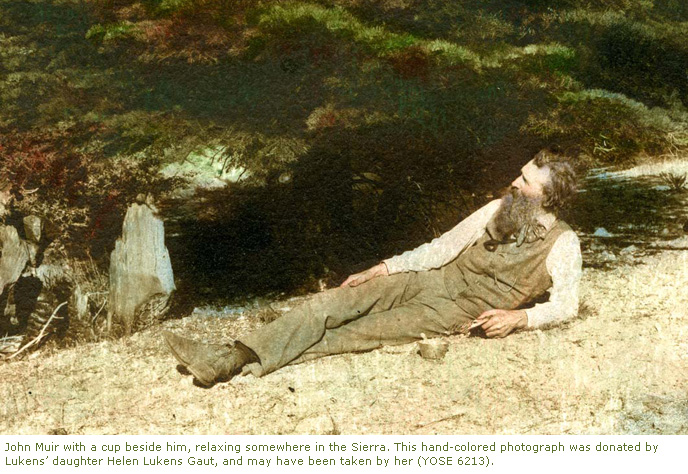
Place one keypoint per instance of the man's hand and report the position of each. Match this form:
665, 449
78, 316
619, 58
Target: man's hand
356, 279
500, 323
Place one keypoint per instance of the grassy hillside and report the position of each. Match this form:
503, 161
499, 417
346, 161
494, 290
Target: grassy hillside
358, 121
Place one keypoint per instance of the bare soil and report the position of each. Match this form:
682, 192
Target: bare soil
621, 367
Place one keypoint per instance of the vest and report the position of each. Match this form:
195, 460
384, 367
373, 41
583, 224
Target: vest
506, 278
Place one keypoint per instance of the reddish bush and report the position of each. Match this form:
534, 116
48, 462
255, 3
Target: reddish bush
81, 199
42, 164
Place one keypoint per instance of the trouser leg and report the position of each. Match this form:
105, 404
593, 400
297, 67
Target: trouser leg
386, 310
286, 338
400, 325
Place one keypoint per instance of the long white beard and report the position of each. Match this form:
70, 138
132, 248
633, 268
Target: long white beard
515, 212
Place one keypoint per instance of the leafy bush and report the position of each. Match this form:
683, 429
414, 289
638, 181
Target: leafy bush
310, 24
640, 59
411, 102
82, 199
608, 127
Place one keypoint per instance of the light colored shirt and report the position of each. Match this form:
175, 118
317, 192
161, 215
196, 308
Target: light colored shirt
564, 263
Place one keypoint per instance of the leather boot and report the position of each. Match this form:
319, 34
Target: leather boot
209, 363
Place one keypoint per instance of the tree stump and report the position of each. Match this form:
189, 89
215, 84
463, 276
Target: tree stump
140, 269
14, 255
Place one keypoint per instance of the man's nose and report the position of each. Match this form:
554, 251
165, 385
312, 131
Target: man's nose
516, 183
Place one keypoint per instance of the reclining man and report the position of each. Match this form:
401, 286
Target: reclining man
480, 273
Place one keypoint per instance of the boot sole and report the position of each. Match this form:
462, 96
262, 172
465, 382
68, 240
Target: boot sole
200, 376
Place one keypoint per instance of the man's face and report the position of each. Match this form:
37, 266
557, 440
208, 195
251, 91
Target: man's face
532, 180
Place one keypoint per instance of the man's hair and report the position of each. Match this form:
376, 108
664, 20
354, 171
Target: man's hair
562, 179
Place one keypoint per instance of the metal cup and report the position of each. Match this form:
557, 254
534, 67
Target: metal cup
433, 349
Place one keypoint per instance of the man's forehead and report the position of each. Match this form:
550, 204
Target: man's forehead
532, 171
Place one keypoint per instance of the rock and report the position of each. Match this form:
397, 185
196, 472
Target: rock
629, 254
43, 305
14, 255
596, 246
602, 232
33, 295
5, 199
680, 243
140, 268
32, 228
210, 184
629, 250
607, 256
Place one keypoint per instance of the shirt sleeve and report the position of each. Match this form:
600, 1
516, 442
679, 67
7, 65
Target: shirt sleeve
564, 264
446, 247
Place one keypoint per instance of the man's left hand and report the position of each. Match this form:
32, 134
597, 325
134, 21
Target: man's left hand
378, 270
500, 323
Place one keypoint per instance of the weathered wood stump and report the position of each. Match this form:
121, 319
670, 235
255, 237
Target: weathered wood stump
14, 255
141, 278
30, 294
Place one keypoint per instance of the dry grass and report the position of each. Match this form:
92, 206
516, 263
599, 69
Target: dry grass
621, 368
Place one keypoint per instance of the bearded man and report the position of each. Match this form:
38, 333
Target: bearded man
487, 271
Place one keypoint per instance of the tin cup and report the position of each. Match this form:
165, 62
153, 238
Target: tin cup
433, 349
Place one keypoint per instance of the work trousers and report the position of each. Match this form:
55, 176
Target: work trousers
390, 310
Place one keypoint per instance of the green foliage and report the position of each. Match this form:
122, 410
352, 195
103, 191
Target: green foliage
113, 31
307, 23
608, 126
362, 114
642, 59
545, 59
169, 6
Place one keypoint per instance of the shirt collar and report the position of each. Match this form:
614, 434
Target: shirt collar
531, 233
547, 220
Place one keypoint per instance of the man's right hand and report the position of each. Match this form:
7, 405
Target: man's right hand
356, 279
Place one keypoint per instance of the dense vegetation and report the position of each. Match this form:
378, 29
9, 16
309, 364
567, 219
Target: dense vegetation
363, 127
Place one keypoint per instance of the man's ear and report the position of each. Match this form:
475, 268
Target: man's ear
548, 197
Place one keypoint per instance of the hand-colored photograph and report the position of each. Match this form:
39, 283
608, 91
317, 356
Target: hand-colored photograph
343, 217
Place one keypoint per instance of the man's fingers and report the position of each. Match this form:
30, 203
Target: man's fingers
491, 325
477, 323
496, 332
485, 322
488, 314
484, 319
359, 278
352, 280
